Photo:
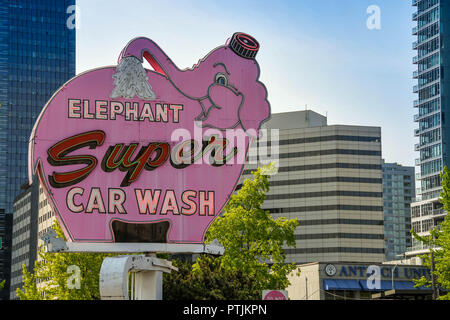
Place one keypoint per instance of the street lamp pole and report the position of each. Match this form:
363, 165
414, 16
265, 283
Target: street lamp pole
393, 288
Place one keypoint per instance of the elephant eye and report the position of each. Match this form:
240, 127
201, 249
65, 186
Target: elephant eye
221, 79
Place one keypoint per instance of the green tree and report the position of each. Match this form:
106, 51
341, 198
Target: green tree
2, 284
209, 282
439, 241
63, 275
252, 238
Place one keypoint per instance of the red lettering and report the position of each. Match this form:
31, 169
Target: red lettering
57, 157
142, 160
188, 201
122, 157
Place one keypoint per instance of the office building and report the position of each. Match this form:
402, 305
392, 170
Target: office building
5, 253
433, 132
33, 217
24, 235
330, 178
398, 193
37, 56
21, 240
425, 215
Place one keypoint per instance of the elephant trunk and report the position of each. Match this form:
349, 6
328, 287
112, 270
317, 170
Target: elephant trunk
141, 48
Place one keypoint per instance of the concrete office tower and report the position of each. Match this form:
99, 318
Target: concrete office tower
432, 59
32, 218
5, 252
45, 220
24, 236
329, 178
46, 217
398, 193
37, 56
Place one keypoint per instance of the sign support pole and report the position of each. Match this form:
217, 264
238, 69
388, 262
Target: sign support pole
146, 270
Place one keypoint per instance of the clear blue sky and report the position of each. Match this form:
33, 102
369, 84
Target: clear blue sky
317, 53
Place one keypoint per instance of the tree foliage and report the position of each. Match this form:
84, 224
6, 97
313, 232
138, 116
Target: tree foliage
208, 282
252, 238
439, 241
2, 284
63, 275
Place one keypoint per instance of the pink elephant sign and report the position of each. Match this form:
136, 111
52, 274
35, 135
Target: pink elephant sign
144, 147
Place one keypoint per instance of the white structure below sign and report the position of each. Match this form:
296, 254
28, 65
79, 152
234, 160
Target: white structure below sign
147, 272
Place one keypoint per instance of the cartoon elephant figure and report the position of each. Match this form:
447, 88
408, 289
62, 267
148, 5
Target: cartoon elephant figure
104, 146
225, 82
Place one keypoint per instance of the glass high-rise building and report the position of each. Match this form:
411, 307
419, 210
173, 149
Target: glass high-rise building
433, 118
5, 253
37, 56
432, 130
398, 193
